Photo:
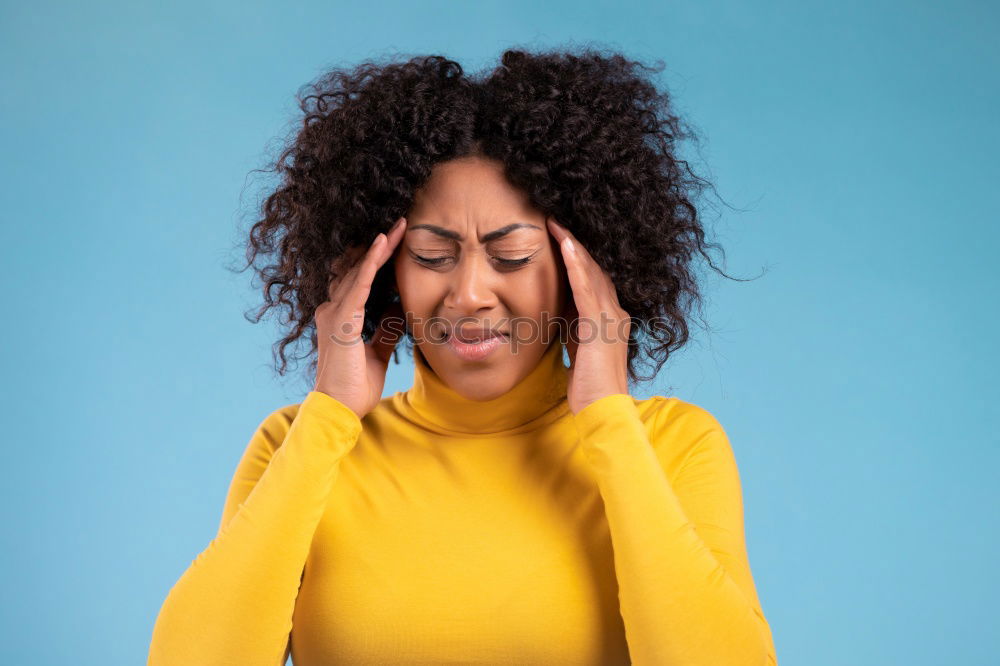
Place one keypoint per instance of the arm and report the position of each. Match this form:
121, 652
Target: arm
234, 603
686, 592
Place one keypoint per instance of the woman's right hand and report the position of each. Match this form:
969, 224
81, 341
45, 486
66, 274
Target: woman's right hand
348, 369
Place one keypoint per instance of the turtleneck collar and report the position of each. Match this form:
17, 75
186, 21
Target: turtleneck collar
540, 397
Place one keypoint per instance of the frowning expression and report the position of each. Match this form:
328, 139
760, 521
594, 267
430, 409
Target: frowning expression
478, 255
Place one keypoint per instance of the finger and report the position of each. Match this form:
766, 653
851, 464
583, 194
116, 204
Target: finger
363, 275
584, 296
580, 279
582, 255
582, 306
604, 286
559, 231
353, 289
379, 251
342, 315
556, 229
395, 234
363, 272
348, 263
341, 267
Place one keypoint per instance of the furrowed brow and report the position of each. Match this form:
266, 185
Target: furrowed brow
486, 238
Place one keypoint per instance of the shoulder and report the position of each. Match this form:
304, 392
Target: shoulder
665, 418
271, 430
315, 408
281, 418
676, 415
681, 431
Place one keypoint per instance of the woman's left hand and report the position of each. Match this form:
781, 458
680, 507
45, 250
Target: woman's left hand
598, 340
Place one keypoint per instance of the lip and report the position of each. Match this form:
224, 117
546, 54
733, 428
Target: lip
473, 335
479, 350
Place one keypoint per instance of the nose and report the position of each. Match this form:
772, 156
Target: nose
471, 289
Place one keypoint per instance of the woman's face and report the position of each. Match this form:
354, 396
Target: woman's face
477, 255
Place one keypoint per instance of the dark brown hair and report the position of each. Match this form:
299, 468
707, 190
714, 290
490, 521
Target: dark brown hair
589, 136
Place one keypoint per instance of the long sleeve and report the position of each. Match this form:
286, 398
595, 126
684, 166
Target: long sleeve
234, 603
675, 514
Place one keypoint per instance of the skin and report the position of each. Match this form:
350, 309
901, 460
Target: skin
469, 283
598, 341
450, 274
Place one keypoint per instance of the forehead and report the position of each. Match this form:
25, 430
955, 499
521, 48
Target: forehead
469, 194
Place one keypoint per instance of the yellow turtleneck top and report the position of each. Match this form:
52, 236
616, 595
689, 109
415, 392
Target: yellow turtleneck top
441, 530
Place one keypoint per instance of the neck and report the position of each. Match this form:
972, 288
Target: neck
536, 399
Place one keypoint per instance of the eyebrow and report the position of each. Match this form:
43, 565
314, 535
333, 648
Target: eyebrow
491, 236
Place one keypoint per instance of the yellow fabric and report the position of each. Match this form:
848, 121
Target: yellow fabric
439, 530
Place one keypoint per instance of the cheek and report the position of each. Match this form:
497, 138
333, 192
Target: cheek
416, 286
534, 290
405, 281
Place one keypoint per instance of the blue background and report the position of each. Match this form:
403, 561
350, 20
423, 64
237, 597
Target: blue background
856, 378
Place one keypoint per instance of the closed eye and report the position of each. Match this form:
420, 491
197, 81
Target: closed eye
507, 263
429, 261
513, 262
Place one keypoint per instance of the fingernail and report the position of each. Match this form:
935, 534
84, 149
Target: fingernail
569, 245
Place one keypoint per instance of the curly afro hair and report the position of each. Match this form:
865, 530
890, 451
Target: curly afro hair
588, 136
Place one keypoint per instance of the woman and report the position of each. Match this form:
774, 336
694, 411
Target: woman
506, 509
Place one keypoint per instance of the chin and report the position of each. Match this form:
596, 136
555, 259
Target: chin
480, 381
476, 381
